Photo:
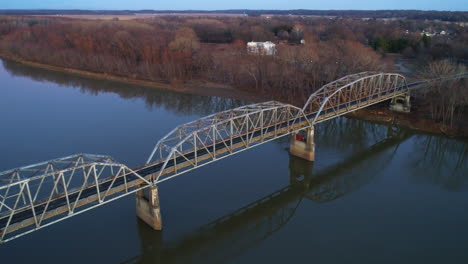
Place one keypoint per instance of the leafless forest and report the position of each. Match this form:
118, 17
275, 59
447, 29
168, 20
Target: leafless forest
178, 49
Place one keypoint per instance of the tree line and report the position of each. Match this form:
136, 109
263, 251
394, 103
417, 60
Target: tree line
172, 49
177, 50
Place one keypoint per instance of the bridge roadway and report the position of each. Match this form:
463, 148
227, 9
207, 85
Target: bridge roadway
24, 217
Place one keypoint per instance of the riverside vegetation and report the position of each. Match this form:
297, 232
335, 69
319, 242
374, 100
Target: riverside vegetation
179, 50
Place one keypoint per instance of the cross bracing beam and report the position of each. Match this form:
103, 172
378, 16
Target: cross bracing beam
39, 195
329, 88
208, 139
223, 134
278, 120
353, 91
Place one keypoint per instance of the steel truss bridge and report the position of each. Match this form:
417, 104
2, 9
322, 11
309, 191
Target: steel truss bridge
229, 236
42, 194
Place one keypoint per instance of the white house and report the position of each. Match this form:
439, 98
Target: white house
264, 48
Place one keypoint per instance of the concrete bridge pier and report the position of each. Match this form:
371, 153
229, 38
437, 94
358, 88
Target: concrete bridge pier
401, 103
147, 207
302, 144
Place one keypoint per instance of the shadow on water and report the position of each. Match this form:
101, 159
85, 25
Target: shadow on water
229, 236
353, 134
179, 103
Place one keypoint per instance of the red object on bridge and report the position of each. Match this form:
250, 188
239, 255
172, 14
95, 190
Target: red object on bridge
300, 137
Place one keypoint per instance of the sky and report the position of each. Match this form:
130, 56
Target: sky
450, 5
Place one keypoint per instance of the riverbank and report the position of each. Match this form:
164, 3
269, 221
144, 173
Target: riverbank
417, 119
379, 113
382, 114
196, 87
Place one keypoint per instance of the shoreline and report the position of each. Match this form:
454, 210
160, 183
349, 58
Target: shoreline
382, 114
195, 87
378, 114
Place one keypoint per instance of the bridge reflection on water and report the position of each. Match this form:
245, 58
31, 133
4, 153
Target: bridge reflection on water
231, 235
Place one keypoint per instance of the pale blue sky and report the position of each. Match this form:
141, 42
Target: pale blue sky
452, 5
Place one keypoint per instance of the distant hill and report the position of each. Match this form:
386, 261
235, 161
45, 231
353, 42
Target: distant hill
461, 16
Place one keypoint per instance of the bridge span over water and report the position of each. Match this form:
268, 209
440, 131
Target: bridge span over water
42, 194
237, 232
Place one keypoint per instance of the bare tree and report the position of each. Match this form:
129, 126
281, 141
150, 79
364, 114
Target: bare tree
447, 100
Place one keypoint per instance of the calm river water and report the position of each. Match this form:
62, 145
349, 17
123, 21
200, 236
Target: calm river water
373, 195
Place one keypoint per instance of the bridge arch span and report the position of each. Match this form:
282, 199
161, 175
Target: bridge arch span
222, 134
353, 92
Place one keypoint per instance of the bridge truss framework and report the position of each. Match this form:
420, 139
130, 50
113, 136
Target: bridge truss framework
35, 189
39, 195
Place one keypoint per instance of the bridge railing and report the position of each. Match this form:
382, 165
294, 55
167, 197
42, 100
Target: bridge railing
218, 136
42, 194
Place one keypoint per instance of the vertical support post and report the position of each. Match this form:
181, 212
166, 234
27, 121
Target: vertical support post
147, 207
302, 144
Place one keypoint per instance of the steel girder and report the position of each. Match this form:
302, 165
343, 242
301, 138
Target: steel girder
351, 93
222, 134
329, 88
39, 195
231, 131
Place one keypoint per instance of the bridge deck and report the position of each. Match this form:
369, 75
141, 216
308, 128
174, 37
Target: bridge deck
345, 95
25, 216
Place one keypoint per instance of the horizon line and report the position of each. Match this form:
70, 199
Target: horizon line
220, 10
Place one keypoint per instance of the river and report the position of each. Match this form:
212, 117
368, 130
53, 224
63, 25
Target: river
375, 194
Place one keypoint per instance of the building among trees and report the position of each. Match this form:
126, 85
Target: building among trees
263, 48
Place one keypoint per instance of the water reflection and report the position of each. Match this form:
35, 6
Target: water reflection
229, 236
179, 103
392, 228
347, 176
444, 161
348, 135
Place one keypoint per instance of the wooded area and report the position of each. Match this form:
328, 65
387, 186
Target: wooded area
176, 49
